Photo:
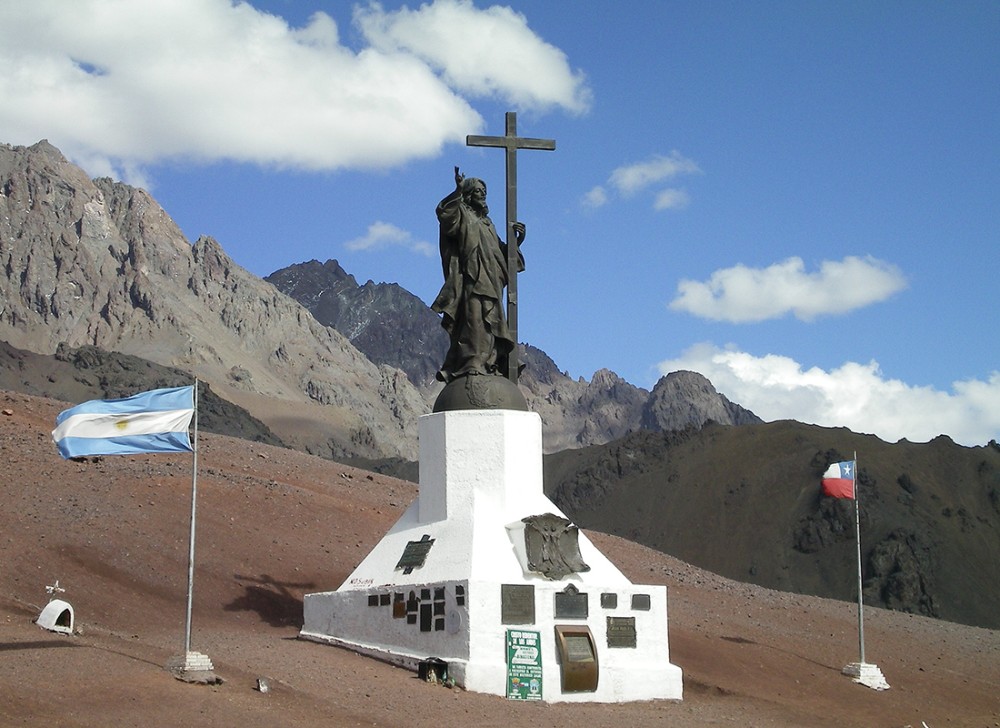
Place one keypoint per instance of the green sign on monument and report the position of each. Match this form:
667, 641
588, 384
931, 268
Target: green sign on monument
524, 665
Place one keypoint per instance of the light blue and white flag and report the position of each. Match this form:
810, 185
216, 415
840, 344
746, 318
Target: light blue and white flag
149, 422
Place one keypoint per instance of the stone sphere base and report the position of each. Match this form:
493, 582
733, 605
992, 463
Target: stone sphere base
477, 392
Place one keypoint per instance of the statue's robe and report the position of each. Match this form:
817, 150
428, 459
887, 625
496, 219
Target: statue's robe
474, 260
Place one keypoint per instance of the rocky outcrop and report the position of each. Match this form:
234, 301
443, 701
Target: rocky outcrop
683, 399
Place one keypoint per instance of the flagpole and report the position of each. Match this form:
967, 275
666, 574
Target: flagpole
857, 530
194, 505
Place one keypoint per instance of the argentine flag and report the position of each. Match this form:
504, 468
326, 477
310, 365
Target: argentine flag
149, 422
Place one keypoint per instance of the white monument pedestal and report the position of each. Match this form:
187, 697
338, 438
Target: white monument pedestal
452, 580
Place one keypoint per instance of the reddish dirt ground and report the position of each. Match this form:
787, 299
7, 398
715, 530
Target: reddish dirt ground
274, 524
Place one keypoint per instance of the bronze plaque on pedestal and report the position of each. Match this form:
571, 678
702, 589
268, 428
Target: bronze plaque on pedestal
571, 604
517, 604
414, 554
577, 658
621, 631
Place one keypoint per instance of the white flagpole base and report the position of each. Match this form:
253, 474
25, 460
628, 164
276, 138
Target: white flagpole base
867, 674
193, 667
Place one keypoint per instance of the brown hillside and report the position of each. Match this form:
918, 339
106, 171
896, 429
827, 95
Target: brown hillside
275, 524
930, 513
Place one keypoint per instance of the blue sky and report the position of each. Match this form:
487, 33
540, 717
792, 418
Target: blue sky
801, 200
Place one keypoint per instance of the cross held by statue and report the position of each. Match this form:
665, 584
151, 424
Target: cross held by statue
510, 143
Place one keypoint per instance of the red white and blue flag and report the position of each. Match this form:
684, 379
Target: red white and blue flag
838, 480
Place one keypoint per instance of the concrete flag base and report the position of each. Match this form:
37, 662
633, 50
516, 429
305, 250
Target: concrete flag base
866, 674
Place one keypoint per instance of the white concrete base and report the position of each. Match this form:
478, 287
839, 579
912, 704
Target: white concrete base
866, 674
480, 474
190, 662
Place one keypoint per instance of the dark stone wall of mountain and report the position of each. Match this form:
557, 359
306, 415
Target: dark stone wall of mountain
387, 323
745, 502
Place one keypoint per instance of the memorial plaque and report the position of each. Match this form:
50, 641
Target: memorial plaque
578, 648
426, 618
412, 607
609, 600
552, 545
414, 554
621, 631
517, 604
640, 602
571, 604
578, 658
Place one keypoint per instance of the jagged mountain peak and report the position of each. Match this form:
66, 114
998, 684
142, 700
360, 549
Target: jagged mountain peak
684, 398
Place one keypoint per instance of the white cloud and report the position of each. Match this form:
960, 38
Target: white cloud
118, 84
597, 197
631, 178
671, 199
856, 396
480, 52
382, 235
741, 294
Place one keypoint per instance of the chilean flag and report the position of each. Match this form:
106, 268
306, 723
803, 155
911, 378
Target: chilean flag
838, 480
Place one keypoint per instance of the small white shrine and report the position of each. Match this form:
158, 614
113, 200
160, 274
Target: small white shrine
485, 578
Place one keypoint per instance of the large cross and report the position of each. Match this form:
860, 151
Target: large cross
511, 142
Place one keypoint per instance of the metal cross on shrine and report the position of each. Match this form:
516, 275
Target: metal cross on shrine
511, 142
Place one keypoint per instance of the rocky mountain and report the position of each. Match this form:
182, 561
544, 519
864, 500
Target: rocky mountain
101, 264
393, 327
682, 399
745, 502
383, 320
98, 263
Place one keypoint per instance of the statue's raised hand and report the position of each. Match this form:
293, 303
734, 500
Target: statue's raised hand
459, 178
